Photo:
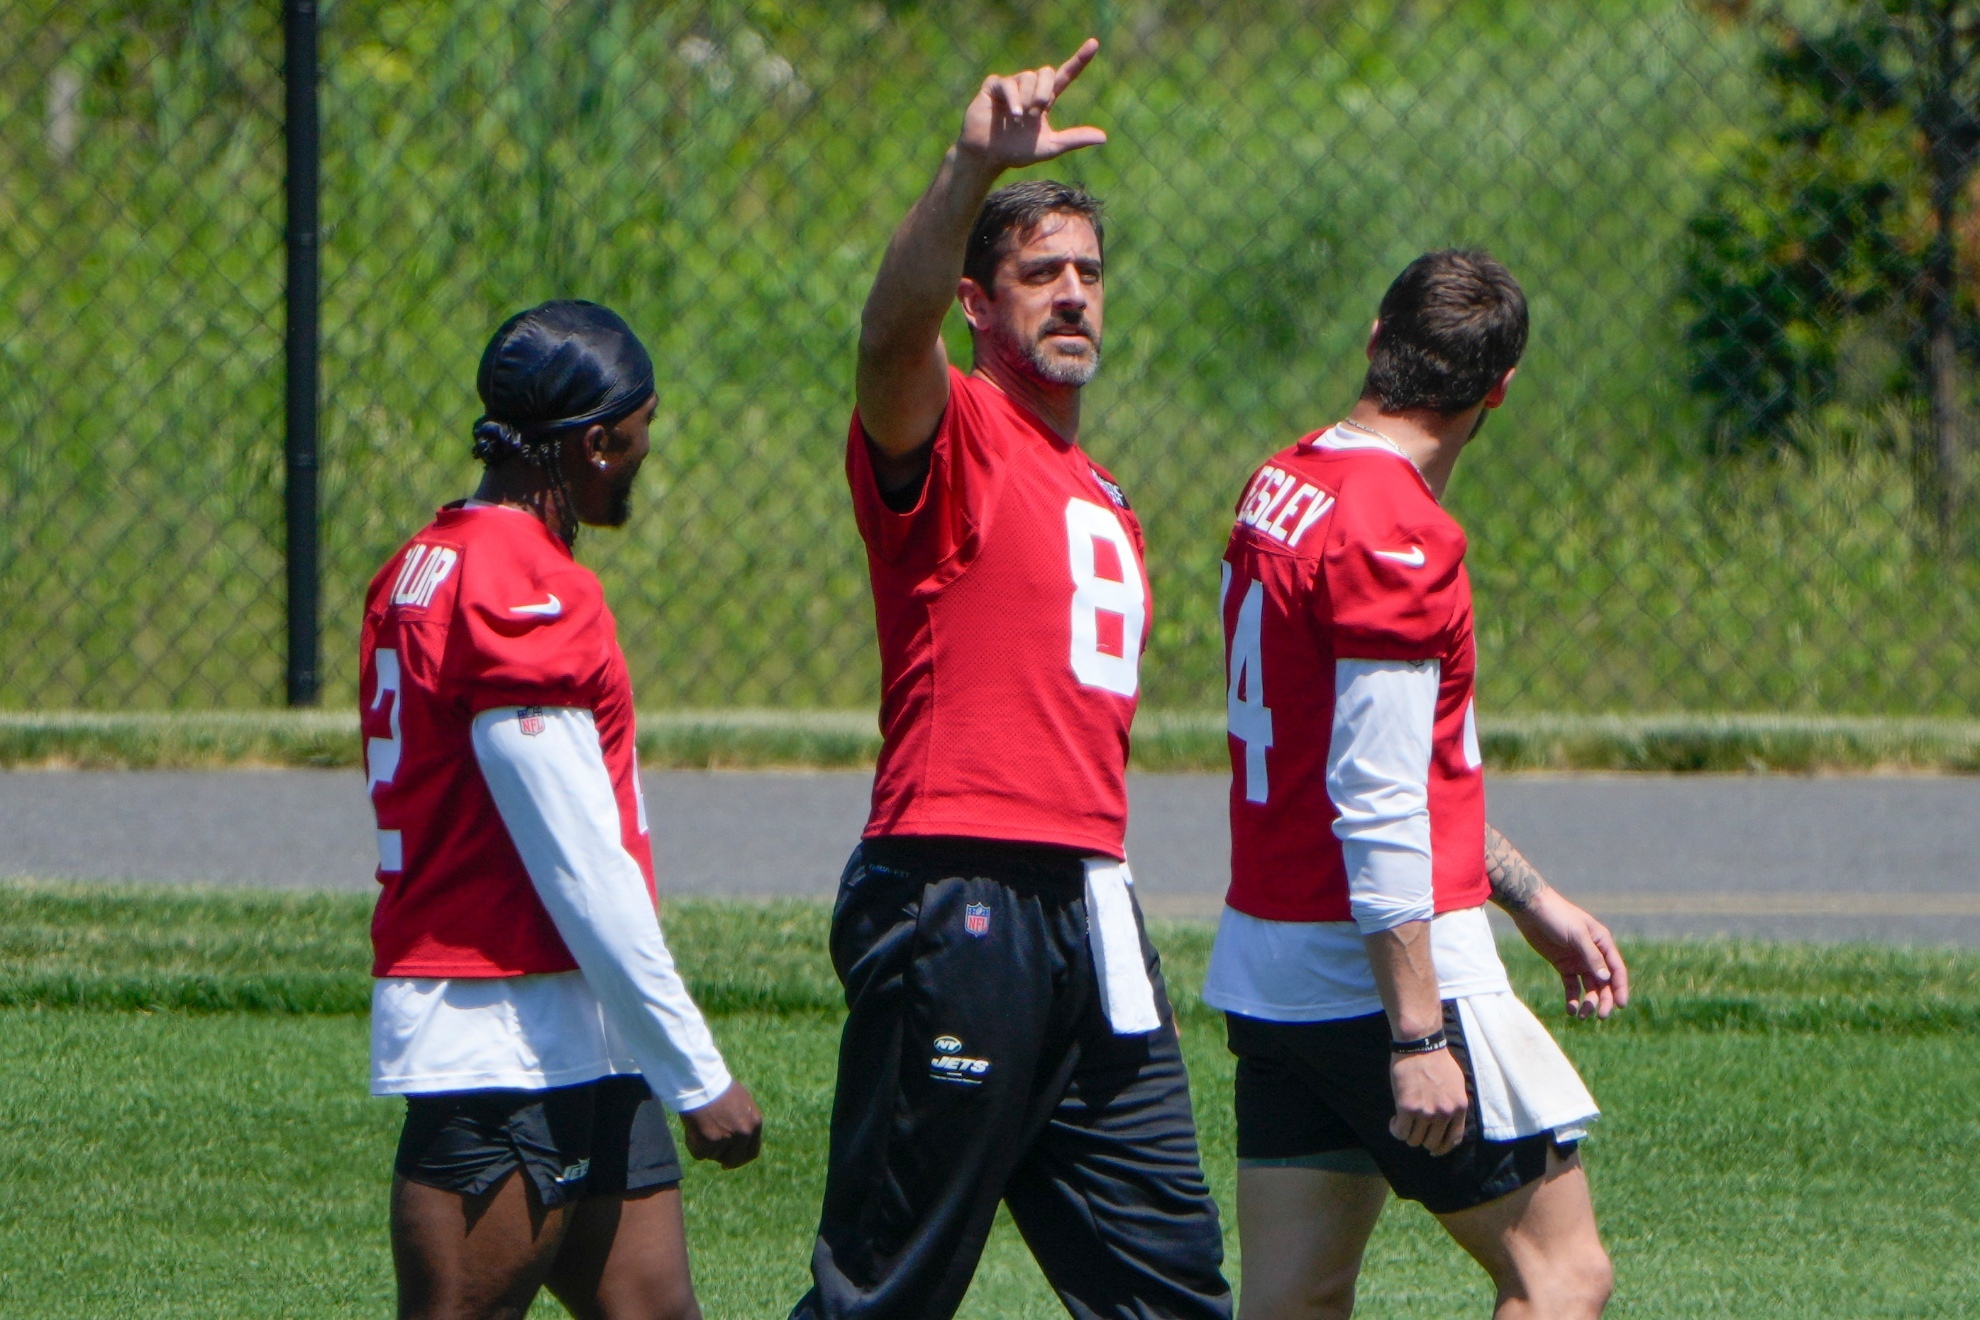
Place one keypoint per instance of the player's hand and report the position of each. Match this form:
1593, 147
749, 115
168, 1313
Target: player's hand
1430, 1100
1582, 951
1006, 125
728, 1129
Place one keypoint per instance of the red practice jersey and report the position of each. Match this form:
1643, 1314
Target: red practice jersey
484, 609
1012, 609
1341, 553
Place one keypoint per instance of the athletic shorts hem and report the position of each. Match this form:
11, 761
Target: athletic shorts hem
1347, 1159
603, 1138
1519, 1163
481, 1186
1310, 1090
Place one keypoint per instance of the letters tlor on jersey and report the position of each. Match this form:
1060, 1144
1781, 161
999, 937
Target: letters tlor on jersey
1012, 609
483, 609
1340, 552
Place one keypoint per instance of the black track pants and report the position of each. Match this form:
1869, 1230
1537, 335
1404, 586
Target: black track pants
977, 1065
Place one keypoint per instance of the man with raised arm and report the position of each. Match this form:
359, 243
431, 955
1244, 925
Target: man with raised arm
526, 1004
1379, 1043
1008, 1037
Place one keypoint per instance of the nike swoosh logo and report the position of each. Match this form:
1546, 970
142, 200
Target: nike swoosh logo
1412, 556
549, 609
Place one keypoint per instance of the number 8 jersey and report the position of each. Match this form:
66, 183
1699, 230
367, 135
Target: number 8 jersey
1012, 609
1350, 661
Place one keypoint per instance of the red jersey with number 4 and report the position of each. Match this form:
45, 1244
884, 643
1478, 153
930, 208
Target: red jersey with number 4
484, 609
1341, 553
1012, 609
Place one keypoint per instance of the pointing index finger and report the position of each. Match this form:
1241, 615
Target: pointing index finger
1071, 68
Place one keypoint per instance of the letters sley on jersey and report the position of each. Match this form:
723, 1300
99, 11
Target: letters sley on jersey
1340, 552
483, 609
1012, 607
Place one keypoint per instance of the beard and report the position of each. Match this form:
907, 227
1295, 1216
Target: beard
1065, 368
618, 505
1054, 366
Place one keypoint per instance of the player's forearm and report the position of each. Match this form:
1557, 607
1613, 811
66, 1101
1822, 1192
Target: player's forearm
1378, 769
554, 794
609, 925
1406, 978
924, 259
1515, 884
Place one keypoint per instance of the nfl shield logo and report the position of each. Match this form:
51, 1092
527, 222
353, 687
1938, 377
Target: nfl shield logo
1114, 493
531, 720
976, 919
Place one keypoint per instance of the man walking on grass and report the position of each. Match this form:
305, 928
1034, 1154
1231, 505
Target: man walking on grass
1008, 1037
1379, 1043
526, 1004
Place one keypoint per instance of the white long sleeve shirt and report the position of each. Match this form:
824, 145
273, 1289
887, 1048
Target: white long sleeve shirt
1378, 768
625, 1010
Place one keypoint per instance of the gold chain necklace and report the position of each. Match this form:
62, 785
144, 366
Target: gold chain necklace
1345, 421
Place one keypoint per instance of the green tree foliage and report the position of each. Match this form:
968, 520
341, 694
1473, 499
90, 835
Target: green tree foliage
1802, 235
1838, 225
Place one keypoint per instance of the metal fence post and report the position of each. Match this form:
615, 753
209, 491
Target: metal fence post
299, 73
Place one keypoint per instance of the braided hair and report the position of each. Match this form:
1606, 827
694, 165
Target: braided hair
558, 367
497, 442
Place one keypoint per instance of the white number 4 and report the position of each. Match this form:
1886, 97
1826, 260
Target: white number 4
1249, 720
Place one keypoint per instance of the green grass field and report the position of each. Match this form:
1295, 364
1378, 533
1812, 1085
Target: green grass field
1790, 1131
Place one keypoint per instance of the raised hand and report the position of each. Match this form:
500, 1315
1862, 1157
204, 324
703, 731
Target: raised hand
1006, 126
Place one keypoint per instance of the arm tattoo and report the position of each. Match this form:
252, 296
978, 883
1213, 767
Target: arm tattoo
1515, 884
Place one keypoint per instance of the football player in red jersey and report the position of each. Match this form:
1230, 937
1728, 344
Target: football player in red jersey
525, 1003
1379, 1043
1008, 1037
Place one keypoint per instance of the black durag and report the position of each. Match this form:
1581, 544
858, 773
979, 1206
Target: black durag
558, 366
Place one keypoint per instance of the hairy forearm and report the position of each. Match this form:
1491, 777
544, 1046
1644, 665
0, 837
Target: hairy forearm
924, 259
902, 384
1406, 978
1515, 884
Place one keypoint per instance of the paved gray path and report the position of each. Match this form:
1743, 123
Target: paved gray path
1874, 858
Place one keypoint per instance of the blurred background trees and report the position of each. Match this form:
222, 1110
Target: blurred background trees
1831, 271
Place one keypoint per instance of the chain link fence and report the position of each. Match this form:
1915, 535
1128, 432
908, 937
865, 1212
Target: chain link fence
1731, 475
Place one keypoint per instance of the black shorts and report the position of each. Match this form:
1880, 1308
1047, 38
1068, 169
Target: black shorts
1317, 1095
598, 1138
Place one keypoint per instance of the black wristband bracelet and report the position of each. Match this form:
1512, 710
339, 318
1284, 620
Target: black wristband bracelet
1429, 1044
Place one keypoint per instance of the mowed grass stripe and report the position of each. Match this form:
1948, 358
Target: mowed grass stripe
1164, 740
102, 947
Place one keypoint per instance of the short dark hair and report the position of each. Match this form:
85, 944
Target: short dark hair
1453, 323
1020, 208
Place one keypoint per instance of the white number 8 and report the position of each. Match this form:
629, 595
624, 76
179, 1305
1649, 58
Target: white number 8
1088, 527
